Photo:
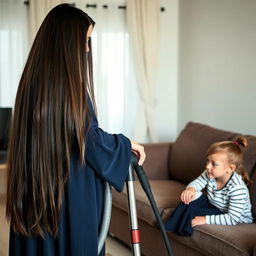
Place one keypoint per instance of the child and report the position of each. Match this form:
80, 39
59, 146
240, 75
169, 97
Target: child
59, 158
227, 201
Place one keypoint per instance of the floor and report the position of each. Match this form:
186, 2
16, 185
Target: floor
113, 246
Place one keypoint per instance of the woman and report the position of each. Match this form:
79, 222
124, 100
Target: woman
58, 157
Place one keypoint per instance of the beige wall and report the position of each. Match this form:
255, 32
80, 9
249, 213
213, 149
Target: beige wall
166, 86
217, 64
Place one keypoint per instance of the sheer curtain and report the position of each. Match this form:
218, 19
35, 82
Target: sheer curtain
143, 18
13, 48
115, 84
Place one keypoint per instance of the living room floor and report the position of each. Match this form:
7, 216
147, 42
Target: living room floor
113, 246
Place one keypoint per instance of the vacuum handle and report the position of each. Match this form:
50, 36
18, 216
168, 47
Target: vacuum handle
147, 189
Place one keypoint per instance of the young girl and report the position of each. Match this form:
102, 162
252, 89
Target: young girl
58, 157
227, 201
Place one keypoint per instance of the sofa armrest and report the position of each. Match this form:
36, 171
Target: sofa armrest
157, 158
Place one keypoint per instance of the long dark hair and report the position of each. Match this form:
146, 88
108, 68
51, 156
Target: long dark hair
50, 117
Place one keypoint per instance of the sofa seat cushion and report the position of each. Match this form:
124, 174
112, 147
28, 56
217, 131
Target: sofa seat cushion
166, 194
222, 240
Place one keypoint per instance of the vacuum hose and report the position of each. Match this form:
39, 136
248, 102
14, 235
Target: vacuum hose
147, 189
106, 216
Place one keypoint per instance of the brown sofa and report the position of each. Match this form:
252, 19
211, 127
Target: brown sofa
170, 166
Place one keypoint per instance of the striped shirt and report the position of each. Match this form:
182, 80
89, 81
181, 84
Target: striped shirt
233, 199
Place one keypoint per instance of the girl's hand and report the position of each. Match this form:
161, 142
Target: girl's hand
139, 151
188, 195
198, 220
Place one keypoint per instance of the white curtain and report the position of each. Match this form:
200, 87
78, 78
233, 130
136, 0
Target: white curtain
13, 48
143, 20
115, 83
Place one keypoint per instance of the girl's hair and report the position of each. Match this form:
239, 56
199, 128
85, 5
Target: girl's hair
51, 116
234, 151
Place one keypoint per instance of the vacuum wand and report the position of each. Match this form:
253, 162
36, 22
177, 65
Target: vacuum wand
147, 189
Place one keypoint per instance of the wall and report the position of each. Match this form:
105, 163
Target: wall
217, 64
166, 86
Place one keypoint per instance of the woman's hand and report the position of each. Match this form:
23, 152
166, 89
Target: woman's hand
188, 195
139, 151
198, 220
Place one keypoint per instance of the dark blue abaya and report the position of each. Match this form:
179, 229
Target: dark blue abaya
107, 158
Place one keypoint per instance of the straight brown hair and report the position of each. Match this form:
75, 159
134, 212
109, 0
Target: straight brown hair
51, 116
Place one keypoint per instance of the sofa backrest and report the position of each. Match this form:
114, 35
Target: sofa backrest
252, 190
188, 154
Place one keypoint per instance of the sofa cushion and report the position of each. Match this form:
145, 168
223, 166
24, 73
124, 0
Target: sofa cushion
188, 155
222, 240
166, 194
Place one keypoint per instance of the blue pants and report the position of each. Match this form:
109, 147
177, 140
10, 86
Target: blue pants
180, 220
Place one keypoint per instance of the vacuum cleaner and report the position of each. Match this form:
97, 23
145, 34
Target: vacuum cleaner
134, 229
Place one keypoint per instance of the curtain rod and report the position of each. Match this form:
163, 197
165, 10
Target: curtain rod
26, 2
105, 6
162, 9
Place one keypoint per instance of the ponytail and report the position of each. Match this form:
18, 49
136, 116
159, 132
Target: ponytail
242, 171
242, 143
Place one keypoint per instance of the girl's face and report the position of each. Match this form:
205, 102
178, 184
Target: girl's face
217, 166
89, 33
